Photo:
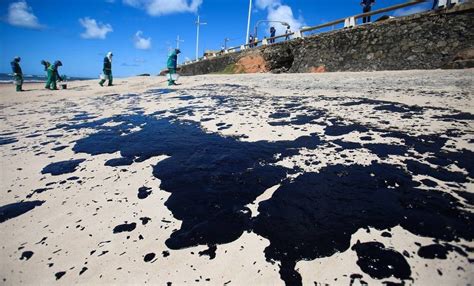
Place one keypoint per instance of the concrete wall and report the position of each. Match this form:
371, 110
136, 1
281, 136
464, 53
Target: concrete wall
425, 41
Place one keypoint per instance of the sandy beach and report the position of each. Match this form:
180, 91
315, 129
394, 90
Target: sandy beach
252, 179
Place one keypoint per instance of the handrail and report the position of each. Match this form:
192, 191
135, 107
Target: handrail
388, 9
332, 23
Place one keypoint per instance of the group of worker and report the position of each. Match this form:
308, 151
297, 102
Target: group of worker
53, 74
51, 69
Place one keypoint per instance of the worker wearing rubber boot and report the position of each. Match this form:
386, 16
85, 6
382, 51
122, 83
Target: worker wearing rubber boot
17, 73
172, 65
53, 75
107, 70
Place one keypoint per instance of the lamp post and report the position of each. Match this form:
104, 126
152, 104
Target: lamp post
225, 43
178, 40
198, 24
248, 23
268, 21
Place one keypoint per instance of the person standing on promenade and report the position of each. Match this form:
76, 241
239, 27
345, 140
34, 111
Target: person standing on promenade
172, 65
53, 75
17, 73
272, 35
287, 32
366, 8
107, 70
251, 40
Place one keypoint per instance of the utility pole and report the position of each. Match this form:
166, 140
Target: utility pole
178, 40
225, 43
177, 46
198, 23
248, 23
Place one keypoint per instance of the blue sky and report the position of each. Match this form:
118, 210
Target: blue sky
140, 32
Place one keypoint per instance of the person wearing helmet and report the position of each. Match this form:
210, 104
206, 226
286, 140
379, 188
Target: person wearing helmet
53, 75
17, 73
172, 65
107, 70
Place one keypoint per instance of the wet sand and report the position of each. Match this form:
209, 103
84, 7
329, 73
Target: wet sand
259, 179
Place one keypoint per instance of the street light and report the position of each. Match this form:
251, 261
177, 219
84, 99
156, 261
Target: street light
268, 21
248, 23
178, 40
198, 24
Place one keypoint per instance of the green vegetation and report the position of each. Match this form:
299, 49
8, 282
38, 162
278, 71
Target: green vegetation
230, 69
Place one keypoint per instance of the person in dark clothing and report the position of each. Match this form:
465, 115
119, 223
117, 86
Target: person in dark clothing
17, 73
53, 75
272, 35
251, 40
435, 5
366, 8
107, 70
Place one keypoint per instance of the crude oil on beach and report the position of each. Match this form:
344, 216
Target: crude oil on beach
314, 179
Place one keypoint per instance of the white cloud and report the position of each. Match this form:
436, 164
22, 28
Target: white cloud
165, 7
277, 11
21, 15
264, 4
410, 11
140, 42
94, 29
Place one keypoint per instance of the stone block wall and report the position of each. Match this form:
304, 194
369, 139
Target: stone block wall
430, 40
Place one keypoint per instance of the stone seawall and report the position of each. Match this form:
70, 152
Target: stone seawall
431, 40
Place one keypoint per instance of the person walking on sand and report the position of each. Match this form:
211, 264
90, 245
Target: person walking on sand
272, 35
366, 8
46, 65
107, 70
53, 75
172, 65
17, 73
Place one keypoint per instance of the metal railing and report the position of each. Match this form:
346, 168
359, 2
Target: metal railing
348, 23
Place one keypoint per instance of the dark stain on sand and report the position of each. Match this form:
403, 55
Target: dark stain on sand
126, 227
63, 167
16, 209
380, 262
143, 192
212, 178
26, 255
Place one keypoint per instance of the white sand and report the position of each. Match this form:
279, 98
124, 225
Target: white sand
79, 218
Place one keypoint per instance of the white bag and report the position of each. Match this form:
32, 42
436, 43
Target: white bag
102, 76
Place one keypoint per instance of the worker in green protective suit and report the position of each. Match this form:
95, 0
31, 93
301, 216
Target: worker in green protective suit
53, 75
17, 73
107, 70
46, 65
172, 65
